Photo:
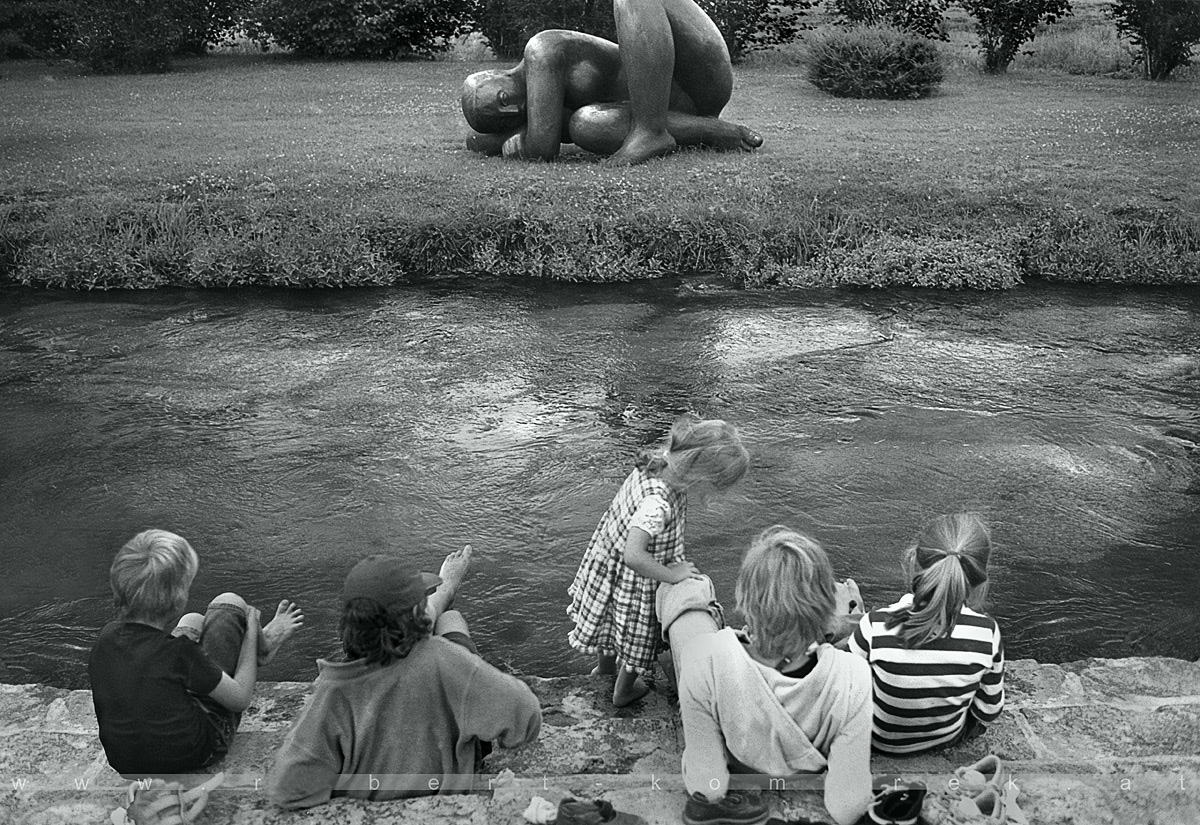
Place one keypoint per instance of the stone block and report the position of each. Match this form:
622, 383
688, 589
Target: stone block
1101, 732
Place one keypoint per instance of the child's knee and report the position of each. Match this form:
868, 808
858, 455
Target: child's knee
451, 621
190, 625
230, 600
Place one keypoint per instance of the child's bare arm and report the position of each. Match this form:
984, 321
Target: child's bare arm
642, 563
237, 691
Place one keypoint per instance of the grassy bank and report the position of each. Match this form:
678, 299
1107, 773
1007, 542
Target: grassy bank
241, 169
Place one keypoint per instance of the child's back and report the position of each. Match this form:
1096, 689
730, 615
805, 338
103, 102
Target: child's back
937, 661
143, 686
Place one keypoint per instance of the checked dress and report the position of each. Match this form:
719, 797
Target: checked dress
612, 606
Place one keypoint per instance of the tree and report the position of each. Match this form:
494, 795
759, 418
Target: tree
1004, 26
1164, 32
749, 25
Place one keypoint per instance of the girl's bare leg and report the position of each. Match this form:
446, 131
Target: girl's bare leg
629, 688
605, 665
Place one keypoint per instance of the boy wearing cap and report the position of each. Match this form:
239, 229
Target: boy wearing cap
409, 711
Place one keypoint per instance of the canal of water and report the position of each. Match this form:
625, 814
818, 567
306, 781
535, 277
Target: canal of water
287, 434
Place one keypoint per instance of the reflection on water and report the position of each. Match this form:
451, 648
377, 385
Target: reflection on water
289, 434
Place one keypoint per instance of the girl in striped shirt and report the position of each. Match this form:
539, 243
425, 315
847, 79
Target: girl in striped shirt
936, 660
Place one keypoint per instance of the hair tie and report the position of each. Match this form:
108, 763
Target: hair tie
955, 553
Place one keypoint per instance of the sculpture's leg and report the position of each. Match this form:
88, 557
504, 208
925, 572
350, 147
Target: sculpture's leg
603, 127
647, 46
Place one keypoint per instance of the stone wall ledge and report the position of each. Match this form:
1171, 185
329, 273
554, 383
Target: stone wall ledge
1088, 743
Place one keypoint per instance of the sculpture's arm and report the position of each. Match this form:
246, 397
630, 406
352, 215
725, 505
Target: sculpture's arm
545, 83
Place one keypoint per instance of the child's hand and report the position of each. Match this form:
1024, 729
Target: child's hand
682, 571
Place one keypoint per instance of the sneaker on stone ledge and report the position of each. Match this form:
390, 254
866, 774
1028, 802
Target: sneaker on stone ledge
735, 808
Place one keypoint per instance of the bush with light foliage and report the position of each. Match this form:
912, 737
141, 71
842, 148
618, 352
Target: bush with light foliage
874, 62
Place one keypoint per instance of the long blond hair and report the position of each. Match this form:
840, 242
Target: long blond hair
947, 565
700, 450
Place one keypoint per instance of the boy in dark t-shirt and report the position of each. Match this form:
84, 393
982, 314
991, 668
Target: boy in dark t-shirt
169, 700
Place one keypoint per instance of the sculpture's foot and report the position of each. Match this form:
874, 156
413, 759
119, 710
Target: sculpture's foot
731, 137
640, 147
749, 140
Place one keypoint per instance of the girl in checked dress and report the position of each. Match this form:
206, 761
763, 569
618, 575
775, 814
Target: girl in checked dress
639, 544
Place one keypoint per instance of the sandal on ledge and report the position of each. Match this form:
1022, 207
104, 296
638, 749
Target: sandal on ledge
986, 808
975, 778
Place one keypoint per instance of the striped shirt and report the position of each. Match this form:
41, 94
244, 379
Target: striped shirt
924, 695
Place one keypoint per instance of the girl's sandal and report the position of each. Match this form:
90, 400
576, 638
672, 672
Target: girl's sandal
973, 779
986, 808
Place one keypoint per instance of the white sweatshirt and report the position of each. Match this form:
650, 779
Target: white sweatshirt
776, 724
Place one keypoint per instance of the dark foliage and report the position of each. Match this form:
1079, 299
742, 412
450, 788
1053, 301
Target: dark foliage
750, 25
508, 24
360, 28
1004, 26
920, 17
36, 28
746, 25
113, 36
874, 62
1164, 32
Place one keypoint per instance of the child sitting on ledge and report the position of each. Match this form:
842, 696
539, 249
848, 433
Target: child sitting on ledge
169, 701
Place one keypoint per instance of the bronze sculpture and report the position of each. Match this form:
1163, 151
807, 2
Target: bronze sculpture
662, 87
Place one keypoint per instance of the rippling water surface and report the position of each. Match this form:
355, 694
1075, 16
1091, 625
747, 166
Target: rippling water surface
287, 434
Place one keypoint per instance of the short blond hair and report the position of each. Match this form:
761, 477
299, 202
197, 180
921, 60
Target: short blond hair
785, 590
152, 574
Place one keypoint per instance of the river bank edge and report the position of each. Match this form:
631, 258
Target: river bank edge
1095, 741
245, 240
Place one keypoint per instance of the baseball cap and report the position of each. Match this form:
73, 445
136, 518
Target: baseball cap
389, 581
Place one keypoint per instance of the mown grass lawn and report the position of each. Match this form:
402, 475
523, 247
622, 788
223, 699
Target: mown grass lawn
260, 169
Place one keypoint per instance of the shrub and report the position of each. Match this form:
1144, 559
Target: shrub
874, 62
1163, 32
360, 28
1004, 26
920, 17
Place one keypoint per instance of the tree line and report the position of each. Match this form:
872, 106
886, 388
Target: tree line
145, 35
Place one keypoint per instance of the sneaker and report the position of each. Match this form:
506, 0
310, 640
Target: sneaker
597, 812
736, 808
896, 802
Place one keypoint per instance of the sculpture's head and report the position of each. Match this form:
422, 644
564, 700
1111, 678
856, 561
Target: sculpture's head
493, 102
